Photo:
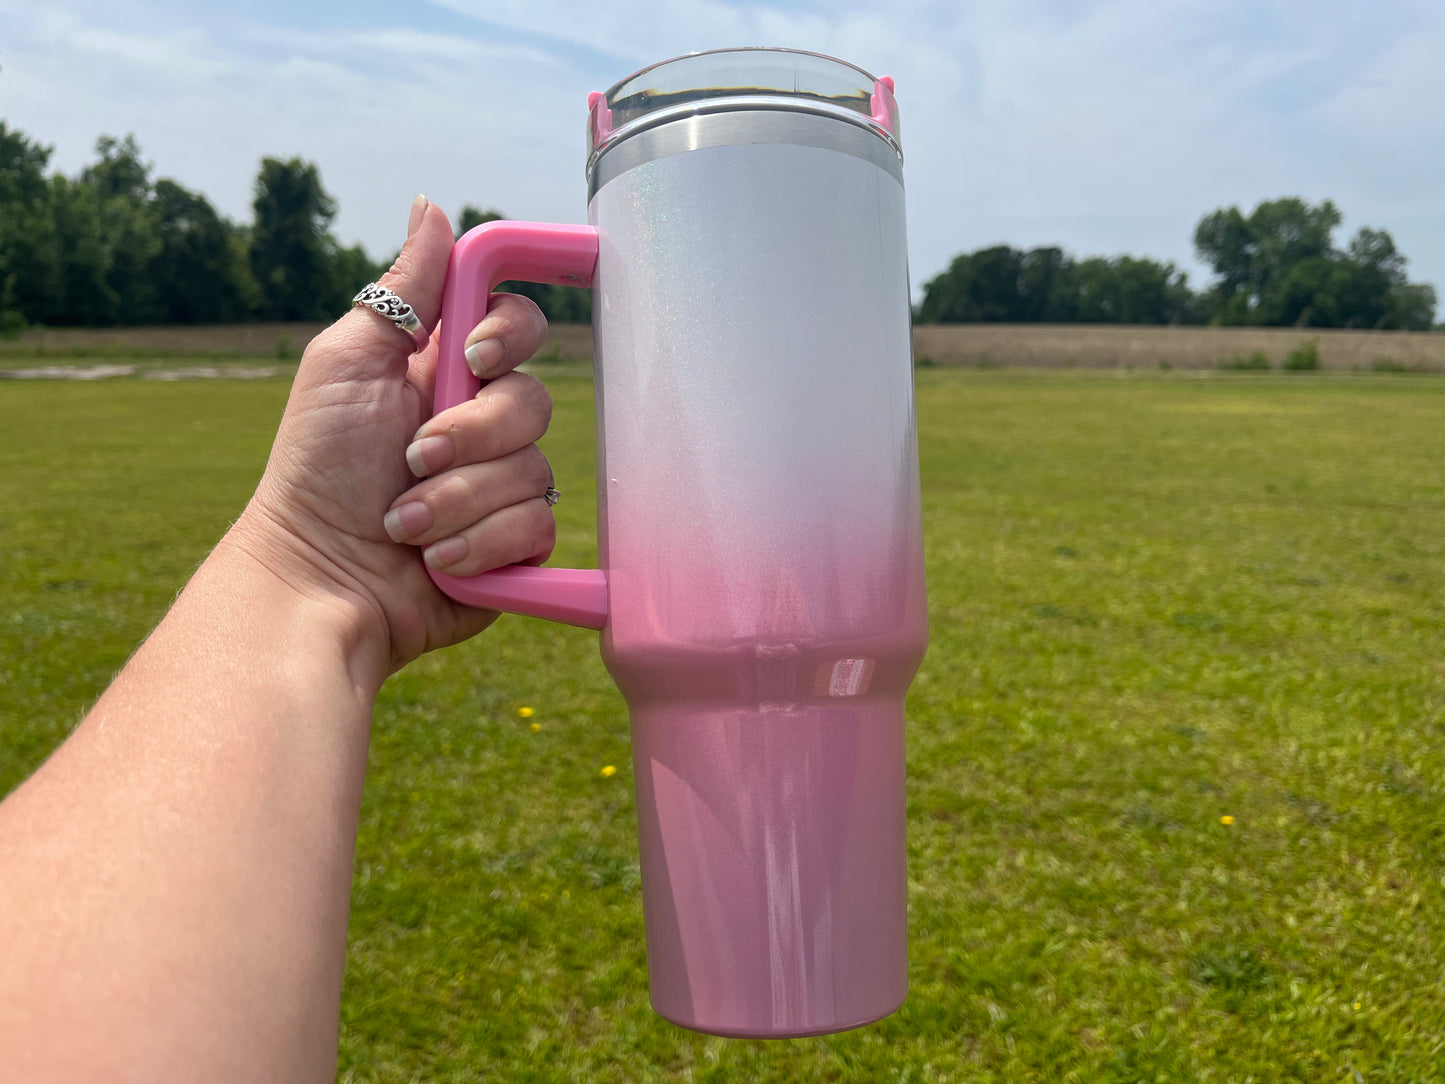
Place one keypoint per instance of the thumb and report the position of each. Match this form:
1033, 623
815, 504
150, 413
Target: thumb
364, 341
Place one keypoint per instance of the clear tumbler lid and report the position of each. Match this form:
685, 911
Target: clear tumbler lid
724, 80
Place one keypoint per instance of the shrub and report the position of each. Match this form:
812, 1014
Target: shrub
1305, 357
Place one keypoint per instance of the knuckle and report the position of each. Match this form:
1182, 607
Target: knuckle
451, 492
536, 399
505, 315
538, 321
539, 469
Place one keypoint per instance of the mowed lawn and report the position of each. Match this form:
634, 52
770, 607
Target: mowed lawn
1175, 757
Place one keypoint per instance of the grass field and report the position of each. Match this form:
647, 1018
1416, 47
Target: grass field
1176, 756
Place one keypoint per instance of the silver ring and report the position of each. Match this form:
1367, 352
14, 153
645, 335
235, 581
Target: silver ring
551, 495
388, 303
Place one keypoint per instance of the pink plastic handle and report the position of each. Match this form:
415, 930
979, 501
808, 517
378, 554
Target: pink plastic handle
495, 252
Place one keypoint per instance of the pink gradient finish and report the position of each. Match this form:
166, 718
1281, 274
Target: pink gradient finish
491, 253
770, 795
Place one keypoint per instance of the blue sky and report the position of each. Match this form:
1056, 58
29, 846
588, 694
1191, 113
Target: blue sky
1108, 126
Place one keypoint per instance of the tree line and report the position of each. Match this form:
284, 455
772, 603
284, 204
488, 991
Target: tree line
113, 245
1276, 266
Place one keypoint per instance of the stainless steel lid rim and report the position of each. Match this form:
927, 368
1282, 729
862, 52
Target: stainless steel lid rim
740, 104
744, 49
727, 124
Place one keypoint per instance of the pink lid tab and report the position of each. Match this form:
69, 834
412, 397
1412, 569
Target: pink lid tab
599, 117
885, 108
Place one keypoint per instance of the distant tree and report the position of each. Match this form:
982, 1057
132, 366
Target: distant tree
1046, 285
85, 295
201, 273
1386, 297
119, 171
1278, 266
129, 232
30, 259
113, 246
1133, 290
292, 254
978, 287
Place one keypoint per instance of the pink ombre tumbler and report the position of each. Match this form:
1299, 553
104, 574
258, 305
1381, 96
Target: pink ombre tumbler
761, 595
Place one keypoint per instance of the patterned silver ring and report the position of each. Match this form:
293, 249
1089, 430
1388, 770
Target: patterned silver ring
552, 495
388, 303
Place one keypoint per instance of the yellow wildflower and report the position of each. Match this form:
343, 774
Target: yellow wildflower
526, 713
609, 771
1226, 819
536, 727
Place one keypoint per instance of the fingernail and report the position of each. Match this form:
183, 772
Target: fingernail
445, 553
485, 355
408, 520
418, 209
429, 455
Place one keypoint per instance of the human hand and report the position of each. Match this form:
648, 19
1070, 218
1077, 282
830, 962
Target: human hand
338, 512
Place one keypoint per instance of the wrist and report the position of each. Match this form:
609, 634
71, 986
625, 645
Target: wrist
341, 612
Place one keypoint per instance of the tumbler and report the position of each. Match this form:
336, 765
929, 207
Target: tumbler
761, 590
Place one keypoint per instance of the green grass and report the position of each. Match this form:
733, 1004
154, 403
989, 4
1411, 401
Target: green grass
1157, 600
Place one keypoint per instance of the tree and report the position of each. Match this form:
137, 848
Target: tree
978, 287
1279, 266
1046, 285
129, 232
1047, 291
30, 264
85, 295
201, 273
292, 255
1133, 290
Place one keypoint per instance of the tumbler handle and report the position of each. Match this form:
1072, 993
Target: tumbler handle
492, 253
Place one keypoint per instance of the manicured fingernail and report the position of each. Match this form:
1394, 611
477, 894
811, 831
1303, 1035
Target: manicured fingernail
429, 455
408, 520
445, 553
485, 355
418, 209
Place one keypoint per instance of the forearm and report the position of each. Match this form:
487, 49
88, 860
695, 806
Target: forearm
174, 882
